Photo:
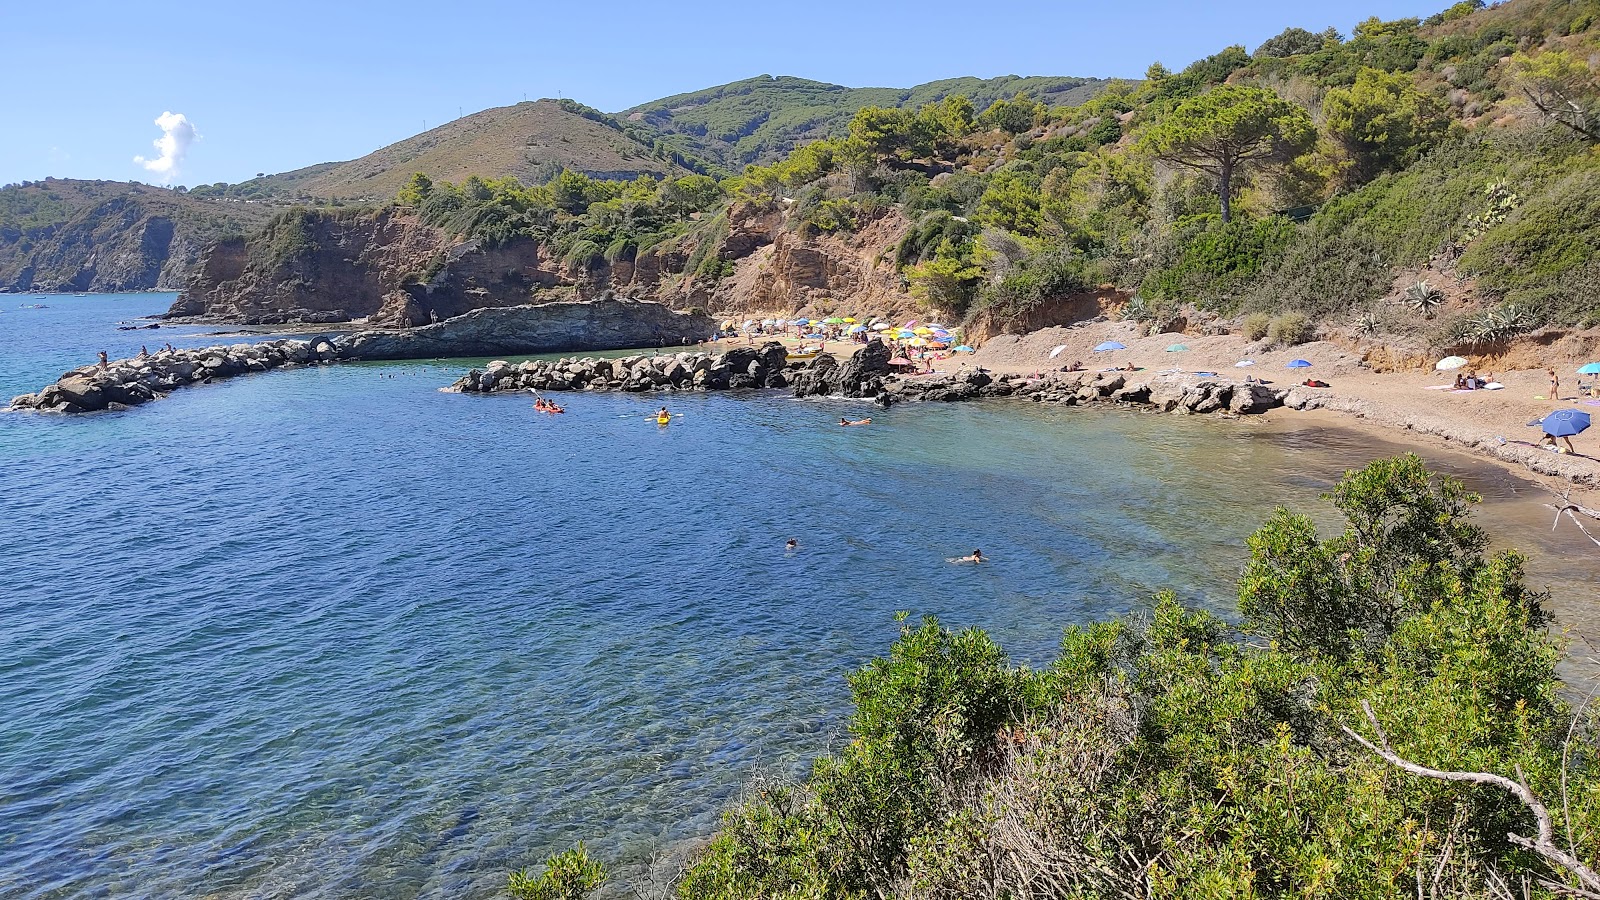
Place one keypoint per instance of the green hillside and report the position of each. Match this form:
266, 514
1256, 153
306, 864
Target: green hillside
760, 119
530, 141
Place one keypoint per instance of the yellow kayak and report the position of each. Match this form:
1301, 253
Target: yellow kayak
663, 420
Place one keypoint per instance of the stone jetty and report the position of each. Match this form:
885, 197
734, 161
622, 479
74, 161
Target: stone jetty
864, 374
129, 382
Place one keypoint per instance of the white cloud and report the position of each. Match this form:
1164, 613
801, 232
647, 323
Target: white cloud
177, 133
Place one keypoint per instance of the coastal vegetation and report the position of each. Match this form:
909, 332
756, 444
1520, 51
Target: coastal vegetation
1383, 719
1317, 181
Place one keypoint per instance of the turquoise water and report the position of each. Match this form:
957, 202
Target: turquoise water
332, 633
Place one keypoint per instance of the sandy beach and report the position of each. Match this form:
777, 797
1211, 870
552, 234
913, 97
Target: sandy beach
1413, 405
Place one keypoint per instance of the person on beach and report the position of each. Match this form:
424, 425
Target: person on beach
976, 557
1555, 385
1548, 442
104, 363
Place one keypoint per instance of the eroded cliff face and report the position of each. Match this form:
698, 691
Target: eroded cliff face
118, 246
392, 269
109, 236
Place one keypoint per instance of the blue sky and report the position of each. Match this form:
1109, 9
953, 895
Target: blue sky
271, 87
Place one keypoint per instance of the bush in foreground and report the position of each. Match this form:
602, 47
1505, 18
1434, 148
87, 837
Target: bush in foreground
1174, 755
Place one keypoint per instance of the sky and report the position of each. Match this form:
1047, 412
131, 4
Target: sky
194, 93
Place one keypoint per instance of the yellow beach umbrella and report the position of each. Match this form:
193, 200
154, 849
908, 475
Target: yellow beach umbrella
919, 342
922, 331
849, 320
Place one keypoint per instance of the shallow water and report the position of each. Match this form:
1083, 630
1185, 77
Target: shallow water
332, 633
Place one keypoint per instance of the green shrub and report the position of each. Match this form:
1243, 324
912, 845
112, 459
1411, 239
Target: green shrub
1289, 329
1210, 263
1255, 326
569, 875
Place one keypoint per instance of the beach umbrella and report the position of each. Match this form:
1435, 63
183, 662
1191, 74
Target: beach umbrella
1298, 364
1110, 345
1565, 422
923, 331
802, 321
1244, 363
935, 326
769, 321
911, 324
882, 326
833, 320
901, 361
904, 334
857, 329
849, 320
1450, 362
1590, 369
728, 324
964, 349
919, 342
1057, 351
1177, 348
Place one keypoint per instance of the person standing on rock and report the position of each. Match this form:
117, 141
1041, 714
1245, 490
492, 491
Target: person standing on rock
104, 363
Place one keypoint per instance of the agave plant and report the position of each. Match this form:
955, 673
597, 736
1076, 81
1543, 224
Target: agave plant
1424, 297
1499, 324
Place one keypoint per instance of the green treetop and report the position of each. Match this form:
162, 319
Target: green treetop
1228, 128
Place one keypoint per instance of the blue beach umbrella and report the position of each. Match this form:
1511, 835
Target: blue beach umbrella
905, 334
1565, 422
1178, 348
1109, 345
1298, 364
857, 329
1590, 369
964, 349
802, 322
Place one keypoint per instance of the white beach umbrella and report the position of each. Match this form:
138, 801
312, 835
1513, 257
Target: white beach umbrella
1243, 363
1450, 362
1057, 351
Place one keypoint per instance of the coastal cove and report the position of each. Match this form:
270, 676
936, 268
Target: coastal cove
331, 632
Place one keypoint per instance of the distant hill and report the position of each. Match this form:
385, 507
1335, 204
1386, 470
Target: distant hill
63, 234
532, 141
761, 119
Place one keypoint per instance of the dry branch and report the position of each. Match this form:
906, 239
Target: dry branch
1544, 844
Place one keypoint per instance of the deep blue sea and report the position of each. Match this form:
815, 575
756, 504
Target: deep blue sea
332, 633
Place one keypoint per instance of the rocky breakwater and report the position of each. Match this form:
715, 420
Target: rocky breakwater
129, 382
864, 374
743, 367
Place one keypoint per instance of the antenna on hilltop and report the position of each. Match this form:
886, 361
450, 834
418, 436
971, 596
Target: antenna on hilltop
458, 112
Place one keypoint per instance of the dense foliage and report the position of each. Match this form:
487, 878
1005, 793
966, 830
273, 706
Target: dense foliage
1175, 755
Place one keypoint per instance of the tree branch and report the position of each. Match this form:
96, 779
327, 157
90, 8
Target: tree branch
1544, 844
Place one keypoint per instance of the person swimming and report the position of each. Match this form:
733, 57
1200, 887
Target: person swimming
976, 557
791, 545
844, 421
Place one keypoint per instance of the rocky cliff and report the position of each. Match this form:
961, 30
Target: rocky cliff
60, 235
543, 328
390, 268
